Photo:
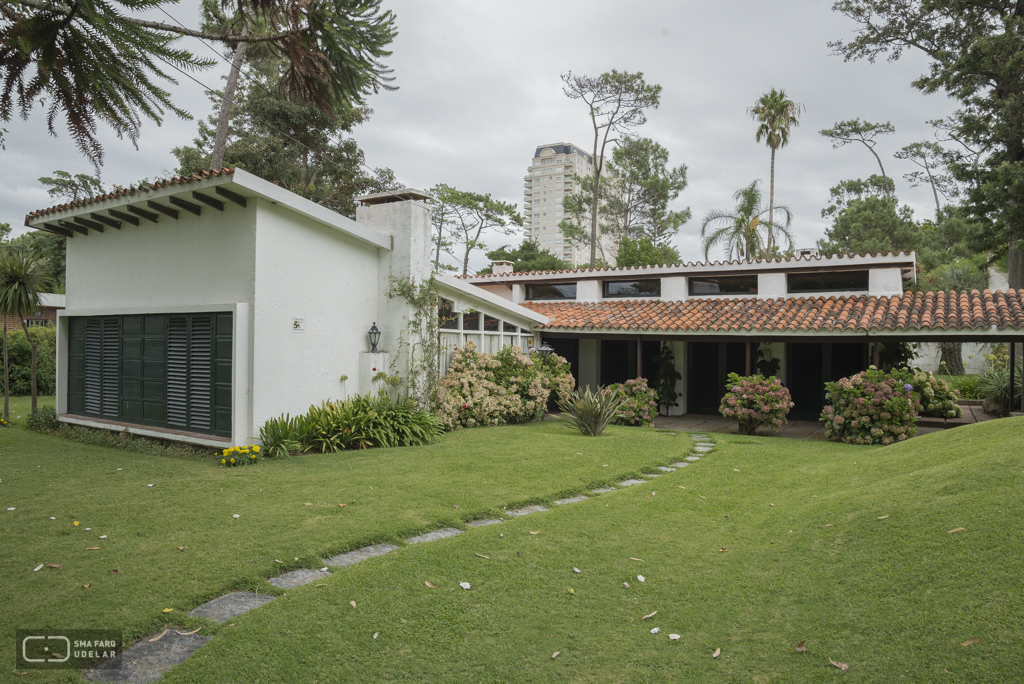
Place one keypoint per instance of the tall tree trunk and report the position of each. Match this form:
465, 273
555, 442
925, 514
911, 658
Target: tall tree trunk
1016, 258
771, 210
7, 379
35, 349
952, 359
593, 217
935, 192
227, 103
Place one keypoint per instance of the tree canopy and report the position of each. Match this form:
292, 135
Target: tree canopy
743, 231
461, 219
526, 257
642, 251
775, 114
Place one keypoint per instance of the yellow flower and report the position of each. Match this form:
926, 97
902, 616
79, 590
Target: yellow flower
222, 461
232, 460
255, 448
76, 523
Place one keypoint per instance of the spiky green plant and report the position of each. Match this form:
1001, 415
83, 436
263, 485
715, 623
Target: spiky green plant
590, 412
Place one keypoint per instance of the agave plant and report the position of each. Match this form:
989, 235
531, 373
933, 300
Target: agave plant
590, 412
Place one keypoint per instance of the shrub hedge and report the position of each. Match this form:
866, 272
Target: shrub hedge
755, 401
871, 407
19, 360
639, 402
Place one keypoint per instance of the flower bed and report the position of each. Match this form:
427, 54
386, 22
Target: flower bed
871, 407
756, 401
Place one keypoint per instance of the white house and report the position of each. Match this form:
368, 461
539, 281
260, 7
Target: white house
199, 307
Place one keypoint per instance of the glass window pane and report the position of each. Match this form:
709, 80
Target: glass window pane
491, 324
832, 281
559, 291
447, 319
471, 321
633, 288
723, 285
508, 327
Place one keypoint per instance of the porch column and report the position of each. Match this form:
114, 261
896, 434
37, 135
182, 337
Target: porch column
1013, 366
875, 355
639, 357
748, 359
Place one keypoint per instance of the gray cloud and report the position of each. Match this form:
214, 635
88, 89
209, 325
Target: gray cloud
480, 89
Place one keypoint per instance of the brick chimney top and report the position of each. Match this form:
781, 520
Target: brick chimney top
501, 267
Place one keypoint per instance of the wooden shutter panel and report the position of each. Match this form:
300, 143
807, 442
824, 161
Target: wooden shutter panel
93, 365
200, 381
111, 367
177, 372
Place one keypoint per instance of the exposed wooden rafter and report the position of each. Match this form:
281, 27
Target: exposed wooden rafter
123, 216
148, 215
57, 230
233, 196
68, 225
88, 224
166, 211
106, 221
186, 205
207, 200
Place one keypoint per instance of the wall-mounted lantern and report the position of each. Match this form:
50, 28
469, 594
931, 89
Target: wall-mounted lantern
374, 338
545, 350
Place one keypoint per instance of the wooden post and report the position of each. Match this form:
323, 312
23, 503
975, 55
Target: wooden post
748, 359
639, 357
1013, 365
875, 355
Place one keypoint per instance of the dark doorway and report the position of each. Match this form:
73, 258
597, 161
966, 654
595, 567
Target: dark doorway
570, 351
618, 361
709, 366
812, 364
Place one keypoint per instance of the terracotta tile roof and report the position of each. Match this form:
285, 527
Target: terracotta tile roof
827, 260
912, 311
125, 192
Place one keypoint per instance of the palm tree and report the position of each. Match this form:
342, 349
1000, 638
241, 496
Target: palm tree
776, 114
961, 278
739, 230
21, 280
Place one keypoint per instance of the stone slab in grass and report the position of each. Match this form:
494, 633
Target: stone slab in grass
698, 438
630, 483
231, 605
573, 499
526, 511
352, 557
681, 464
434, 535
482, 523
703, 449
652, 474
666, 469
693, 458
602, 491
297, 578
146, 662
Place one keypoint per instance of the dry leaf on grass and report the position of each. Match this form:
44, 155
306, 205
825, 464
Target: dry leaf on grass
430, 586
352, 603
188, 633
182, 548
576, 570
883, 517
717, 653
828, 525
649, 615
168, 610
342, 505
321, 585
159, 636
703, 497
800, 648
970, 642
38, 568
555, 654
92, 548
637, 559
308, 504
85, 586
532, 532
735, 470
376, 634
772, 505
957, 529
278, 560
842, 666
54, 565
480, 555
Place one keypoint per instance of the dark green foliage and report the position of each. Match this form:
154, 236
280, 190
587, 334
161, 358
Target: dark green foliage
643, 252
460, 219
526, 257
126, 441
869, 225
739, 230
994, 388
590, 412
937, 399
897, 355
19, 357
43, 419
52, 253
640, 402
968, 386
668, 376
362, 422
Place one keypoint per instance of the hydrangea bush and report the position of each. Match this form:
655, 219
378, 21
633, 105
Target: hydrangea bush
754, 401
498, 389
640, 402
871, 407
936, 397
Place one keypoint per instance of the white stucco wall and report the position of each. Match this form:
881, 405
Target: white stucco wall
588, 291
885, 282
771, 285
929, 355
674, 289
305, 270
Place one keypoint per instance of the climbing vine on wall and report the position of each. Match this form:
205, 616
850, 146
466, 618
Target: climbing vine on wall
421, 336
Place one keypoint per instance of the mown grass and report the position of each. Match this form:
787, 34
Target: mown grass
389, 494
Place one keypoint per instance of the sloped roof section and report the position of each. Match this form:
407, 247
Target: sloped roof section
913, 311
128, 192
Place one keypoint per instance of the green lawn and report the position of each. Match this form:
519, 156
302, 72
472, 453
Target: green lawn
854, 557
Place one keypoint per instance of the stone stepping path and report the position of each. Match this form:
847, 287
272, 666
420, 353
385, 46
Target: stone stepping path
298, 578
147, 661
526, 511
574, 499
344, 560
483, 523
231, 605
442, 533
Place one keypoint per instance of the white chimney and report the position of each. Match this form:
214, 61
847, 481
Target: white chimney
501, 267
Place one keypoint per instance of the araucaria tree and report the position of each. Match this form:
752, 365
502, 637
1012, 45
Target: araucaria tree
98, 61
976, 55
461, 218
775, 114
739, 229
617, 103
857, 131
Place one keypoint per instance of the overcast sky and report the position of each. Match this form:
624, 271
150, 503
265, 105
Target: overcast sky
480, 89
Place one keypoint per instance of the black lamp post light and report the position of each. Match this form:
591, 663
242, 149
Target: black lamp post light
545, 350
374, 338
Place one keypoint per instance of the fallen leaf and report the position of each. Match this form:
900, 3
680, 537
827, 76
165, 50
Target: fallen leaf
480, 555
92, 548
532, 532
800, 648
842, 666
371, 487
828, 525
352, 603
555, 654
54, 565
957, 529
641, 578
321, 585
431, 586
159, 636
883, 517
182, 548
309, 504
572, 591
703, 497
673, 637
576, 570
717, 653
637, 559
188, 633
464, 585
375, 634
772, 505
649, 615
342, 505
655, 630
735, 470
103, 536
722, 550
970, 642
625, 585
38, 568
168, 610
86, 586
279, 561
